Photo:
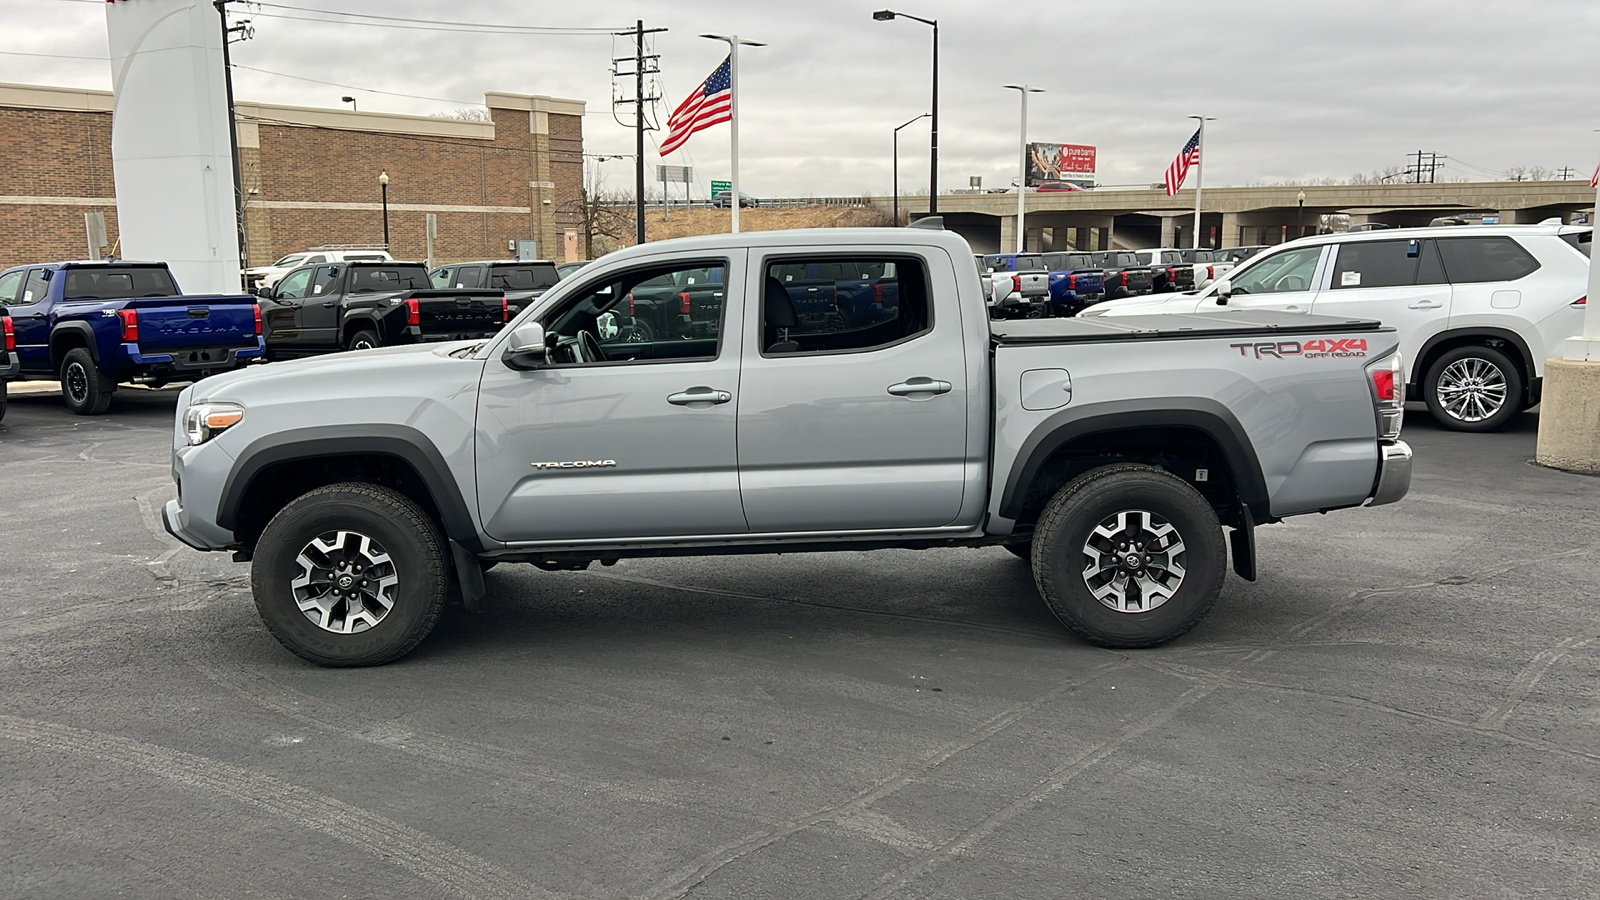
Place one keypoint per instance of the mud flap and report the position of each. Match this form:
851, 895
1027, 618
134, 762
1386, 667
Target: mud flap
469, 577
1243, 542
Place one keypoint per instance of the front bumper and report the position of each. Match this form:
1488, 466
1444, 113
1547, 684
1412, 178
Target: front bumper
1394, 474
200, 474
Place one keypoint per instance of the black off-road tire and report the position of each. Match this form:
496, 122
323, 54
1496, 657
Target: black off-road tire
411, 541
2, 401
1067, 524
1498, 373
365, 339
86, 390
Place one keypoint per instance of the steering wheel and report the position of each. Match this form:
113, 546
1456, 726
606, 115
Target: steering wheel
589, 348
1290, 283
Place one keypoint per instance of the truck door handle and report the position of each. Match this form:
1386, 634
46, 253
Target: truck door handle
1294, 309
699, 398
1426, 304
919, 385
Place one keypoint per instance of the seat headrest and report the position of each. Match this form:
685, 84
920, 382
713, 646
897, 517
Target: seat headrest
779, 308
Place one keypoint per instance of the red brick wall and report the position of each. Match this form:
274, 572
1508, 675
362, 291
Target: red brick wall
50, 153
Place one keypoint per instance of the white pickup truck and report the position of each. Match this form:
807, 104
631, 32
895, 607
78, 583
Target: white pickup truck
1110, 454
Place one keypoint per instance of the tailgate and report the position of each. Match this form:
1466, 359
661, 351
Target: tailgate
1091, 282
459, 312
180, 323
1140, 278
1035, 284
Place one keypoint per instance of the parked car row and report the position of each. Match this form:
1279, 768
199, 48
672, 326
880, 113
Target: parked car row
95, 325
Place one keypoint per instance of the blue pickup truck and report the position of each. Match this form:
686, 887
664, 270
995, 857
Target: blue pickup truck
94, 325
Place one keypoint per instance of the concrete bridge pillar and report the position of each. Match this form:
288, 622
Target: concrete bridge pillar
1230, 231
1169, 231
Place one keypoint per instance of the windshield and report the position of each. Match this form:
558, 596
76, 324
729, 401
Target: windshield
293, 259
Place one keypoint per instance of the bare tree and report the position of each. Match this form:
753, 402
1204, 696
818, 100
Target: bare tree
1529, 173
605, 217
466, 114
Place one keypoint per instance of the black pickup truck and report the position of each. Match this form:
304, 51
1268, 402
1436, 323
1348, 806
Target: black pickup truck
358, 305
1169, 269
1125, 276
520, 280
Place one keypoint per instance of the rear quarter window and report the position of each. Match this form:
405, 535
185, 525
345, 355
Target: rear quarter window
1472, 260
1580, 240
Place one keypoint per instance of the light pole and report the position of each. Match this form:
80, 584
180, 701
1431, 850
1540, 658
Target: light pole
734, 43
1300, 215
885, 15
383, 189
897, 167
1022, 173
351, 101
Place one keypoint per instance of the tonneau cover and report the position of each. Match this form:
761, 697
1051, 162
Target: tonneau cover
1243, 323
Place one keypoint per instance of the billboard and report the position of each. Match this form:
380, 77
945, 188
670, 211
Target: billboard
1059, 162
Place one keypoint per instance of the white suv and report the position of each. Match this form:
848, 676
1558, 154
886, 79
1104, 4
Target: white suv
267, 276
1478, 308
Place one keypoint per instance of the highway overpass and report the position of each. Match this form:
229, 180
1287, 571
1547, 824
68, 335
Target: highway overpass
1234, 216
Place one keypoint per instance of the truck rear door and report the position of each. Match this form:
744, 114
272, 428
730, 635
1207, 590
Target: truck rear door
1398, 282
857, 428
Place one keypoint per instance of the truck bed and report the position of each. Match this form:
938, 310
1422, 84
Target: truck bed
1103, 329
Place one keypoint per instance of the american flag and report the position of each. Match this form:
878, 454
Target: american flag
709, 104
1594, 180
1179, 169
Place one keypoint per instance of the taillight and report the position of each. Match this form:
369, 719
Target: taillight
130, 325
684, 299
1072, 282
1388, 395
877, 294
1581, 301
413, 311
505, 308
1016, 283
1211, 272
10, 337
1124, 279
257, 311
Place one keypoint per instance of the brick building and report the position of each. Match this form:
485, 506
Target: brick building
310, 176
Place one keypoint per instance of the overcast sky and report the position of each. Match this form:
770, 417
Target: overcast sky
1300, 89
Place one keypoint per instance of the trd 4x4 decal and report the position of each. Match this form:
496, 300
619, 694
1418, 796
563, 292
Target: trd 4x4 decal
1320, 348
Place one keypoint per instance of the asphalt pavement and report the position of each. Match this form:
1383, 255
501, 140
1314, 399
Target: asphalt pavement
1406, 704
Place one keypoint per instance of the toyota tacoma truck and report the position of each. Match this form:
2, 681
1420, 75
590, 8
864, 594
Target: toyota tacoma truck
1019, 286
363, 304
94, 325
1120, 458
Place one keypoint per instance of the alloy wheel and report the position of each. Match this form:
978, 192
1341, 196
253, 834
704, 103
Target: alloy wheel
1133, 561
1472, 389
346, 584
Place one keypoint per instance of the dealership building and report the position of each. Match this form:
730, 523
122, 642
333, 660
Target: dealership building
310, 177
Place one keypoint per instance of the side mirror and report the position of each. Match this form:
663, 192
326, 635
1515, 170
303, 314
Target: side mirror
526, 348
1224, 291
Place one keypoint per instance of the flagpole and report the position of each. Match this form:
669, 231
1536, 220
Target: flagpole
733, 42
1199, 177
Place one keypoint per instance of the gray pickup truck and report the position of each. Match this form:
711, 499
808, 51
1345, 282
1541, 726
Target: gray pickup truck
1110, 454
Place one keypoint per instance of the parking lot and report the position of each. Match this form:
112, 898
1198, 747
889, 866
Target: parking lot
1405, 704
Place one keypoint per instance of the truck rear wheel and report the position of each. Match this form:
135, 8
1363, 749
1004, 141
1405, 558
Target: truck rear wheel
1129, 556
2, 401
350, 574
365, 339
86, 390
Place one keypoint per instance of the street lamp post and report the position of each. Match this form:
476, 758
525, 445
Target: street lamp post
1022, 172
1300, 215
885, 15
383, 189
897, 166
351, 101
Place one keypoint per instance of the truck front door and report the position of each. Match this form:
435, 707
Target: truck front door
615, 438
30, 320
860, 427
319, 314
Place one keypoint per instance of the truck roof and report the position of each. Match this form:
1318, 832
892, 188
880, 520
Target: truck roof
884, 238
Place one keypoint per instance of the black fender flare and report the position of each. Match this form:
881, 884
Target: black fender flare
1195, 413
399, 441
1473, 331
83, 329
365, 317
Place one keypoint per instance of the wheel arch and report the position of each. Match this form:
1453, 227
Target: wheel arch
1201, 432
1475, 336
355, 322
69, 336
273, 470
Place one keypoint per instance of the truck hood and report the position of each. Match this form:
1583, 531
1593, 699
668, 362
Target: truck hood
346, 374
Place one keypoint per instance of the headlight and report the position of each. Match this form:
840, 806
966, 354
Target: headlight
204, 421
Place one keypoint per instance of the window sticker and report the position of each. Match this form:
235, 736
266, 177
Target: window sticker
1349, 279
27, 297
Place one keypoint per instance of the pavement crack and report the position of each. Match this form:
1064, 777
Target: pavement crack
1522, 686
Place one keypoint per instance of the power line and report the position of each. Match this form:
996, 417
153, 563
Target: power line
53, 55
535, 29
353, 87
462, 29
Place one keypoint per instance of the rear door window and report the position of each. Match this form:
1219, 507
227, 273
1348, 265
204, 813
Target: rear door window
1364, 264
1472, 260
845, 304
323, 281
470, 277
34, 287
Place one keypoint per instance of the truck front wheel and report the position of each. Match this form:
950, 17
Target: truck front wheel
1129, 556
350, 574
85, 389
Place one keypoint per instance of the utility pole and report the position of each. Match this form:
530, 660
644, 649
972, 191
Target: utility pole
642, 65
245, 31
1431, 166
1566, 172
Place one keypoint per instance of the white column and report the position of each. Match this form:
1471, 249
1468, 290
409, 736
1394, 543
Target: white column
1586, 346
1199, 180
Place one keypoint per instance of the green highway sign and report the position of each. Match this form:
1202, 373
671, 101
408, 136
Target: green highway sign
720, 186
